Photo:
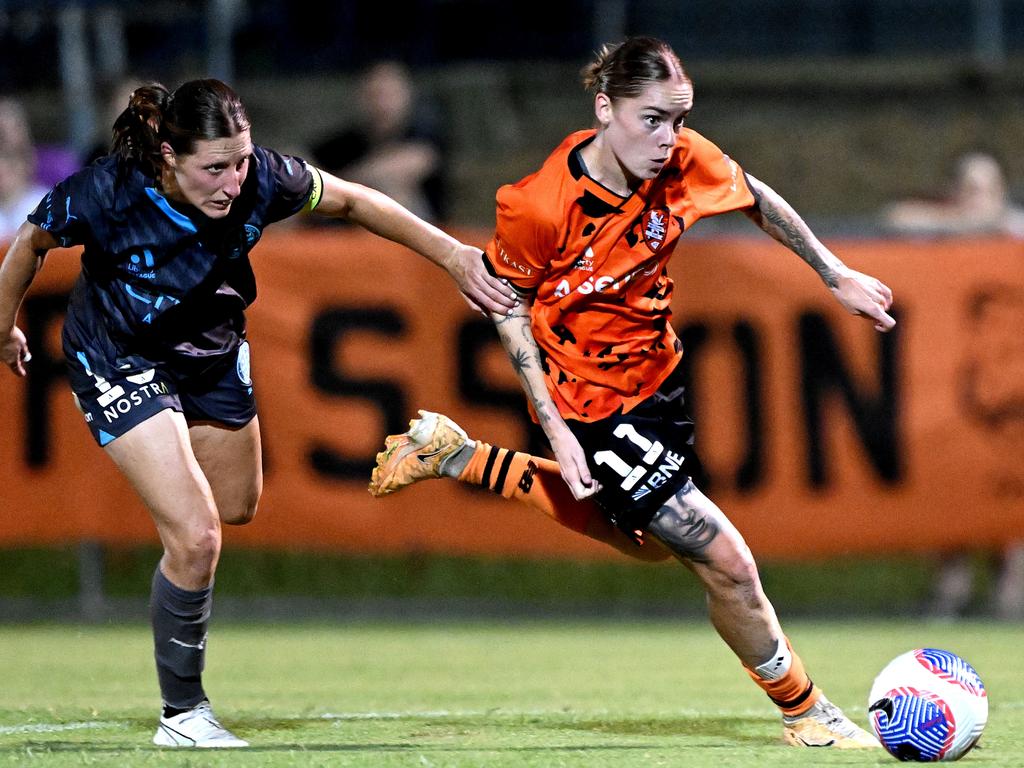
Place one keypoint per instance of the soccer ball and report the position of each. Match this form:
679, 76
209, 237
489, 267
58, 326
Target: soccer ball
928, 705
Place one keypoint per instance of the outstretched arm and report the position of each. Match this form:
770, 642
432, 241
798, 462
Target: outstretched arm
23, 260
381, 215
517, 338
860, 294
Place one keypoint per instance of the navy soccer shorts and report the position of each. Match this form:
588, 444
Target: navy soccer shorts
643, 457
220, 393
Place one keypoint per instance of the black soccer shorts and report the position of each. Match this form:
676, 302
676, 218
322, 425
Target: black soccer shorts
221, 393
643, 457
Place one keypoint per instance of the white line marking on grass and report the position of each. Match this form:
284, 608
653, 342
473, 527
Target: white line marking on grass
440, 713
56, 727
575, 713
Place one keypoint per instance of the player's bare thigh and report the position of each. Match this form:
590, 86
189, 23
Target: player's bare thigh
600, 529
232, 460
156, 456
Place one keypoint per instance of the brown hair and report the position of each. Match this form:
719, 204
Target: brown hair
624, 69
197, 110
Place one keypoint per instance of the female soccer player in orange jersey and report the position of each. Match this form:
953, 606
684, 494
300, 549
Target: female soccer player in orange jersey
586, 240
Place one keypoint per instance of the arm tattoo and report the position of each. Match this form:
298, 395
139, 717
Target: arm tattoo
524, 354
779, 220
520, 360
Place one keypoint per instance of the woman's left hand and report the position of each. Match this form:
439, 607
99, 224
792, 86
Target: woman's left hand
482, 291
862, 294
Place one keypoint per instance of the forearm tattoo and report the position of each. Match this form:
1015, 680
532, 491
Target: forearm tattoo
780, 221
520, 361
524, 354
686, 529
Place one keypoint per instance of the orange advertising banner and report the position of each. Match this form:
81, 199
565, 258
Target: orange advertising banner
820, 436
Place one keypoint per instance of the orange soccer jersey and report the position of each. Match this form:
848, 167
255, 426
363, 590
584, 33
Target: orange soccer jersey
597, 264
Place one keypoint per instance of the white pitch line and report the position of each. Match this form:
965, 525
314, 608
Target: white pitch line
440, 713
56, 727
6, 730
501, 712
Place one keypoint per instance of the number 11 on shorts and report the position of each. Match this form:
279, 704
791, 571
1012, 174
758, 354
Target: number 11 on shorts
614, 462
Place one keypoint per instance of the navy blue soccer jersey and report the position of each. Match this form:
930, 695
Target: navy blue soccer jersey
161, 282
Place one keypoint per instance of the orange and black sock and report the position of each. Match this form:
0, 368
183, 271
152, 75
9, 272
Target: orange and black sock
538, 483
789, 687
535, 481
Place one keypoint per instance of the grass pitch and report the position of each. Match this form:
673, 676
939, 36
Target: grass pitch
475, 694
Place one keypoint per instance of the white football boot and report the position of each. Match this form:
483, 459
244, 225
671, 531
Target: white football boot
198, 727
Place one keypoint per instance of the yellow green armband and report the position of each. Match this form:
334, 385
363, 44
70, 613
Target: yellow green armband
318, 188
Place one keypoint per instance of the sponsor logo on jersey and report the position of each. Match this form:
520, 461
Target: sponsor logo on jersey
141, 264
528, 271
655, 228
585, 263
601, 283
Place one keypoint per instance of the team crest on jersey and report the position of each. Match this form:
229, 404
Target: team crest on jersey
252, 235
242, 365
654, 227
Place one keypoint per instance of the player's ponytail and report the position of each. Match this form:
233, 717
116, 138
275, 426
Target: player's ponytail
624, 69
137, 129
197, 110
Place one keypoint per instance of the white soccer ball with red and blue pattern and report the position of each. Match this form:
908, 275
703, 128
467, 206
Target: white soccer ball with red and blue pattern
928, 705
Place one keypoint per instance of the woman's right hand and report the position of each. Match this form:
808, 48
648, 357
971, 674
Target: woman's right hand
572, 462
14, 351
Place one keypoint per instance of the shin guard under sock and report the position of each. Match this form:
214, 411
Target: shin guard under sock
179, 618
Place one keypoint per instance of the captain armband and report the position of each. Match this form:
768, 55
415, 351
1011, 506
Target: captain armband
318, 189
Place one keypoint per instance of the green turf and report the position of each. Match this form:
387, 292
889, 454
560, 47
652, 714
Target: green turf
468, 694
895, 585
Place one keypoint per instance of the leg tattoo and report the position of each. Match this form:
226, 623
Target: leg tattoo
685, 527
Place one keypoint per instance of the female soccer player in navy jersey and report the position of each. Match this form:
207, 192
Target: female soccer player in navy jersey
155, 333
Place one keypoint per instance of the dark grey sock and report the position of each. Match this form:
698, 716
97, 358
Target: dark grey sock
179, 617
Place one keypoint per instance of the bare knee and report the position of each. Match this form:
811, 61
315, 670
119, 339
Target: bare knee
732, 577
190, 557
242, 510
734, 570
242, 516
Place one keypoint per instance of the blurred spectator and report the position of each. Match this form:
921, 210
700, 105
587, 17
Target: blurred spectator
953, 594
19, 192
977, 202
394, 145
114, 100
